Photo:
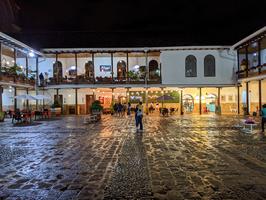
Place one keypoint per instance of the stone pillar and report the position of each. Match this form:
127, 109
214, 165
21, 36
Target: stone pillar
200, 101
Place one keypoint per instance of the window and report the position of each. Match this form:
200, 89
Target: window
209, 66
191, 66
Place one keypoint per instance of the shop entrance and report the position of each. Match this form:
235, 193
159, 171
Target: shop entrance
89, 101
188, 103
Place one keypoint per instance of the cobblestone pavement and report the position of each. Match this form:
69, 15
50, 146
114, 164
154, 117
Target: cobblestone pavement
190, 157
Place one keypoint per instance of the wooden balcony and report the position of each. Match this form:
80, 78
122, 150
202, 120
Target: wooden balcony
16, 79
252, 72
102, 80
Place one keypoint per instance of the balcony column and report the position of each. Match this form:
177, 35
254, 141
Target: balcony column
260, 96
76, 100
247, 97
57, 71
76, 64
37, 80
247, 67
181, 102
1, 98
238, 99
92, 59
200, 101
15, 99
112, 65
27, 101
27, 69
259, 58
127, 68
219, 96
146, 70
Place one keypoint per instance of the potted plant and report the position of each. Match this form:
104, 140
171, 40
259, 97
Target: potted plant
56, 108
2, 116
96, 109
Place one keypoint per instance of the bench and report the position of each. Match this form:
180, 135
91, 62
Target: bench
91, 118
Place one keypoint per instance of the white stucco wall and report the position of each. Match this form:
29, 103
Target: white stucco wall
173, 67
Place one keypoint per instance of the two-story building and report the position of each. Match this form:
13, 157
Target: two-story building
251, 71
192, 79
17, 72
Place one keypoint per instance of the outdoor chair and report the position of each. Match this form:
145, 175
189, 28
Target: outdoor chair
17, 117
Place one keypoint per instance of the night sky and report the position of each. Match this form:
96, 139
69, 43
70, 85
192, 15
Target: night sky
124, 23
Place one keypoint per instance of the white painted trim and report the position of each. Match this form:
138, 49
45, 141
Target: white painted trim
249, 37
46, 50
95, 86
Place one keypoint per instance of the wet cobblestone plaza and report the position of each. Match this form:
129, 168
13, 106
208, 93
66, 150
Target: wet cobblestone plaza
190, 157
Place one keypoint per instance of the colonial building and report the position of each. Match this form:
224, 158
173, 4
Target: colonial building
191, 79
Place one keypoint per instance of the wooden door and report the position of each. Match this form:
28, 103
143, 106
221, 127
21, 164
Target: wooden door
89, 101
60, 100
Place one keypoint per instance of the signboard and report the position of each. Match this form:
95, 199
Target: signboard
105, 68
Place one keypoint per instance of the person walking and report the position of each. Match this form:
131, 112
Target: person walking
263, 117
136, 111
128, 108
139, 119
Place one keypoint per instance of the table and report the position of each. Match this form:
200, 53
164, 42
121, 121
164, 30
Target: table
248, 127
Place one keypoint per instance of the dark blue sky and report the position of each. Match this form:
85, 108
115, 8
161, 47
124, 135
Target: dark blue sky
84, 23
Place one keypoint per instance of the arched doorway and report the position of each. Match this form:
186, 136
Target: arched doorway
89, 70
58, 71
188, 103
121, 70
153, 69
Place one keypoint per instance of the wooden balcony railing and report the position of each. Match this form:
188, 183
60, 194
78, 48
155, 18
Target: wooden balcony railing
102, 80
252, 72
17, 79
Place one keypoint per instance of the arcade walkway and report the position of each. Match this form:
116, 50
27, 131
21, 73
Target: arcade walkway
190, 157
